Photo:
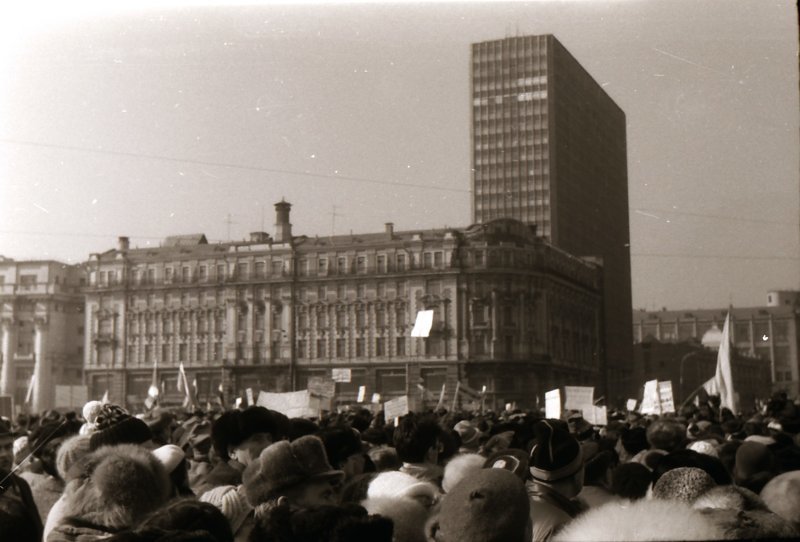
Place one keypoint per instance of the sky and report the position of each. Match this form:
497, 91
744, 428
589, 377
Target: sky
150, 121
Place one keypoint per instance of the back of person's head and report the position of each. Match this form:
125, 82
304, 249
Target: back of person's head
346, 523
414, 437
690, 458
191, 515
596, 468
630, 481
340, 443
47, 438
235, 426
633, 440
666, 434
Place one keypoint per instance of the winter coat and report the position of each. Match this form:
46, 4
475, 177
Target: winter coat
19, 488
223, 474
46, 491
75, 530
550, 511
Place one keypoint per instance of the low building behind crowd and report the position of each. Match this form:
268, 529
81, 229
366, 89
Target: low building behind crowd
688, 364
769, 333
511, 313
42, 326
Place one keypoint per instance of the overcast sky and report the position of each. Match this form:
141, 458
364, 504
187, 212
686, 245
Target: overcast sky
160, 121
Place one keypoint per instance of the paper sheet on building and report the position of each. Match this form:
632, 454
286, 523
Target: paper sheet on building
579, 398
396, 407
423, 324
552, 404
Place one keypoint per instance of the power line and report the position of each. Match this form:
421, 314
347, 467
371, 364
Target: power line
640, 210
230, 165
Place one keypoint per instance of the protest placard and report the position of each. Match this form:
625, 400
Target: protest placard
650, 401
396, 407
321, 386
362, 392
665, 396
294, 404
597, 415
579, 398
552, 404
630, 405
250, 398
341, 375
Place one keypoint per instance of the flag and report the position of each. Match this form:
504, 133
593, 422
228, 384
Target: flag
153, 391
31, 384
105, 400
722, 382
183, 387
440, 404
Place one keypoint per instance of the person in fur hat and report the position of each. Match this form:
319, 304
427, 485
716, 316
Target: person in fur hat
113, 488
556, 467
238, 437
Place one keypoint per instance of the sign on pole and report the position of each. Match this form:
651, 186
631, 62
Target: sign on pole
250, 398
321, 386
630, 405
552, 404
362, 392
294, 404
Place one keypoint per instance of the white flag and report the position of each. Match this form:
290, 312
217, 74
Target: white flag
723, 378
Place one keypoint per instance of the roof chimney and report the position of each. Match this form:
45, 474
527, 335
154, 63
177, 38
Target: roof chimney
123, 244
283, 228
390, 230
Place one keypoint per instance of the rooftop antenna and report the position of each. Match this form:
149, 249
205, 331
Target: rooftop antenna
228, 222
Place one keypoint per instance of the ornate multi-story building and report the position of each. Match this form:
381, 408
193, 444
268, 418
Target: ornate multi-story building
511, 312
41, 313
769, 333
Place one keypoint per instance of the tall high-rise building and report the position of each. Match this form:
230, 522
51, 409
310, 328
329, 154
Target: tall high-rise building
549, 148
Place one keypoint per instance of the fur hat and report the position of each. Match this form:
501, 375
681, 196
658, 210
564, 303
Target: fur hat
782, 496
557, 454
114, 425
469, 434
666, 434
235, 426
286, 464
684, 484
170, 456
460, 467
512, 459
231, 501
641, 520
408, 515
340, 443
399, 485
325, 523
754, 467
116, 486
70, 452
489, 506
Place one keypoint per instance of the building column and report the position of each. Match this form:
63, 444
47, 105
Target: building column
43, 390
7, 376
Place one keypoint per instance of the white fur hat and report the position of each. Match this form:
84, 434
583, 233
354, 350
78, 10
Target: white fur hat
460, 467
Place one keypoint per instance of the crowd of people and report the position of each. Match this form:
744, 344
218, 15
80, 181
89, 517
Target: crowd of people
253, 474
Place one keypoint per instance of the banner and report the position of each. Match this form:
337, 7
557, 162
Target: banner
294, 404
395, 408
552, 404
579, 398
341, 375
665, 397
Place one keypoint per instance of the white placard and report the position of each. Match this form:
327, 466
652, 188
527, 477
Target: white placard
597, 415
423, 324
630, 406
321, 386
362, 392
396, 407
376, 398
665, 396
650, 402
295, 404
250, 399
341, 375
552, 404
579, 398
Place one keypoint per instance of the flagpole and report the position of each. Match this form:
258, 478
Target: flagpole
455, 395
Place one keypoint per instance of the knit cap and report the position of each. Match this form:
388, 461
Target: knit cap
557, 454
70, 452
115, 426
684, 484
231, 501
